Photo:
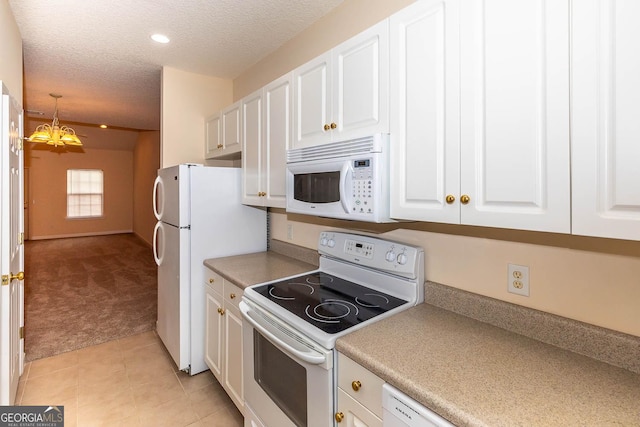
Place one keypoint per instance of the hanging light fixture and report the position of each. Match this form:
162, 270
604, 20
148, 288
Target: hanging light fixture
54, 134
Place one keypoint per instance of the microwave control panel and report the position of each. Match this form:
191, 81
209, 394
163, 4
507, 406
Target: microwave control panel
363, 194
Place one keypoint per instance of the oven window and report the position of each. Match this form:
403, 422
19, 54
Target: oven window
321, 187
284, 380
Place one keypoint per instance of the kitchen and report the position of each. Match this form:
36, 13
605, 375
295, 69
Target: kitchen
578, 277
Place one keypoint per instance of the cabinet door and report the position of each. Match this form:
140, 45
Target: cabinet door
231, 128
360, 84
355, 415
312, 102
252, 149
214, 333
213, 144
277, 139
425, 118
515, 114
605, 121
233, 356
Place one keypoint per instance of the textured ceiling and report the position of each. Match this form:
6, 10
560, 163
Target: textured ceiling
99, 56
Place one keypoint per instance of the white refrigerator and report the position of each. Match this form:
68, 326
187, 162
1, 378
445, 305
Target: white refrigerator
200, 216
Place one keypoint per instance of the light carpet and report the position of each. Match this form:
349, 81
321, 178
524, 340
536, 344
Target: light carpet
87, 290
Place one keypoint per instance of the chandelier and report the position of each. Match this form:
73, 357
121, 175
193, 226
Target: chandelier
54, 134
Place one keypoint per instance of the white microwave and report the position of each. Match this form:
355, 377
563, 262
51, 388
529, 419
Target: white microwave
345, 180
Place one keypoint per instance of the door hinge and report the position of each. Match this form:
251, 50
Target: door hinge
21, 238
20, 145
21, 332
5, 279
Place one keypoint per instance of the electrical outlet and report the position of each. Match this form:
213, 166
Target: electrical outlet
290, 231
518, 279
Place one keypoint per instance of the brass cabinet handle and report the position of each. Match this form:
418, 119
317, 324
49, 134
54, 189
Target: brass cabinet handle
333, 125
464, 199
339, 416
356, 385
232, 295
327, 127
211, 280
450, 199
221, 311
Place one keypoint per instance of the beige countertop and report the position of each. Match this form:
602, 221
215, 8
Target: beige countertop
250, 269
475, 374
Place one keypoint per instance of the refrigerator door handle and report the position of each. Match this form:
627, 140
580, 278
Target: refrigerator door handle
156, 256
157, 185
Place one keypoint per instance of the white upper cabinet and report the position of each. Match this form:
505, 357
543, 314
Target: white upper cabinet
480, 123
425, 118
266, 116
223, 133
252, 144
514, 142
605, 118
212, 141
344, 93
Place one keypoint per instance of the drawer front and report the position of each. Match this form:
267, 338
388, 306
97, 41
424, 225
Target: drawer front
232, 294
361, 384
353, 414
214, 280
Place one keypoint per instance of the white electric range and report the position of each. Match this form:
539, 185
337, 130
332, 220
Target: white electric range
291, 325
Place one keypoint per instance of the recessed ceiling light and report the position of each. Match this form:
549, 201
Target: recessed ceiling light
160, 38
103, 126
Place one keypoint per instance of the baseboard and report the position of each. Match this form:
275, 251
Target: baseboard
64, 236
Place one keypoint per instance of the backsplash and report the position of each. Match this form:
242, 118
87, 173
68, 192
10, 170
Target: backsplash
606, 345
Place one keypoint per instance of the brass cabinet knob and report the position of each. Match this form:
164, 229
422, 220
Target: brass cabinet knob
356, 385
232, 296
219, 146
211, 280
333, 125
339, 416
450, 199
327, 127
221, 311
464, 199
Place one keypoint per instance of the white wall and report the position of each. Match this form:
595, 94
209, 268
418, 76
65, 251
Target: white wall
187, 99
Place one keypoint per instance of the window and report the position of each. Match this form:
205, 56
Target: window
84, 193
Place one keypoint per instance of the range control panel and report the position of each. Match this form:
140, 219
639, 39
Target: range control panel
386, 255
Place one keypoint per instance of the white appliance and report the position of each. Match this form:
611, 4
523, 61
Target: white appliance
200, 216
399, 410
346, 180
291, 325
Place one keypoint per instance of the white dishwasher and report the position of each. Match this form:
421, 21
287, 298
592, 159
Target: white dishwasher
399, 410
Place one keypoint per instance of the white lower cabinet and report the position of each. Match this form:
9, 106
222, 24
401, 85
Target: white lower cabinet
359, 395
480, 113
223, 339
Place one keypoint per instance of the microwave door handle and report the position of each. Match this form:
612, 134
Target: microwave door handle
343, 186
272, 335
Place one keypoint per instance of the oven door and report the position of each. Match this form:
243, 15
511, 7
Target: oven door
319, 187
288, 380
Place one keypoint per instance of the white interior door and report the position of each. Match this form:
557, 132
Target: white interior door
12, 250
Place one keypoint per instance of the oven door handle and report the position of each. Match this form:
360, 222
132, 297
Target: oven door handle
279, 339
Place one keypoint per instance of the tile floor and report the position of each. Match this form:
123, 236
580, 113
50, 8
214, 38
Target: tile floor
128, 382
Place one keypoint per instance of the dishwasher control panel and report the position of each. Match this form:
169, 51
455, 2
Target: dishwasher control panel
399, 410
